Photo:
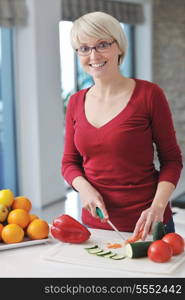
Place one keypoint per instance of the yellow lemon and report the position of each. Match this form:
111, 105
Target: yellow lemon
3, 212
6, 197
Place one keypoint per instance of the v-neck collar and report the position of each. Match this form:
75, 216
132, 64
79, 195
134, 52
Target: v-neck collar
114, 119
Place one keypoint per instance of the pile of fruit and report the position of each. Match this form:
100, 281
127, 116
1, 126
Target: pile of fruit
16, 221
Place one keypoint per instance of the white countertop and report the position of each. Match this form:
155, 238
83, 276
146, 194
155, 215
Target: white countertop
30, 262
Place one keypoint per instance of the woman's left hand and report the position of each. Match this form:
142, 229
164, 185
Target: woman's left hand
147, 219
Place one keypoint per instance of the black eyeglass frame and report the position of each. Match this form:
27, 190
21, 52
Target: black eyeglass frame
95, 48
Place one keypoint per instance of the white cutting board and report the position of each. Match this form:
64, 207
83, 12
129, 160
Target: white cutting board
76, 254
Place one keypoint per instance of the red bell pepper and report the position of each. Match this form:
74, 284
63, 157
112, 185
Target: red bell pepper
68, 230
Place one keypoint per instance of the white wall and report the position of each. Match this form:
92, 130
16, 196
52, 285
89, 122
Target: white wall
39, 108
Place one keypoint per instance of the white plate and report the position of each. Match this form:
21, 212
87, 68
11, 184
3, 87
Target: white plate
26, 242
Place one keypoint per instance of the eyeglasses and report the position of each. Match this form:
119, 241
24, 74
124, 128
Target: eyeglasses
100, 47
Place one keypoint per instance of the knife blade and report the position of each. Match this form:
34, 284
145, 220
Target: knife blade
100, 214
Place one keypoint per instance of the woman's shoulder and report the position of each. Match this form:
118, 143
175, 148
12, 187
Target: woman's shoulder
76, 101
77, 98
79, 94
148, 85
150, 94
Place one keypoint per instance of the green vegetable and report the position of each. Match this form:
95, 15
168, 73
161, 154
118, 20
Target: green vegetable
132, 250
103, 253
92, 247
138, 249
158, 231
118, 256
95, 250
110, 255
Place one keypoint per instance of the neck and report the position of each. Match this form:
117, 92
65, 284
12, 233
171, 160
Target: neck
109, 86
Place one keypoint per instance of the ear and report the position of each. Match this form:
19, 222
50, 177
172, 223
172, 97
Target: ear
119, 58
120, 52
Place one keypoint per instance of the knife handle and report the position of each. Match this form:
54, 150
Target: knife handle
99, 213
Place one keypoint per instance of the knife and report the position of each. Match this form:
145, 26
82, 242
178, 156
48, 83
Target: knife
100, 214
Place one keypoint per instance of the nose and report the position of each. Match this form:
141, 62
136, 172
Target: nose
94, 53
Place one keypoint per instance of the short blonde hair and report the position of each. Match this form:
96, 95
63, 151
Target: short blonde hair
99, 25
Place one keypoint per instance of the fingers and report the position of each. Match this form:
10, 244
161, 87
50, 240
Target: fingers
138, 227
92, 210
104, 211
146, 223
104, 214
147, 228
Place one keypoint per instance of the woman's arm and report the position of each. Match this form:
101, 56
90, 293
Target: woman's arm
162, 195
71, 158
164, 137
156, 211
169, 154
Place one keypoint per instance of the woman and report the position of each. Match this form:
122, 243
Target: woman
110, 131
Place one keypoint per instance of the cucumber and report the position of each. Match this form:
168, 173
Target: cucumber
95, 250
118, 256
110, 255
92, 247
138, 249
103, 253
158, 231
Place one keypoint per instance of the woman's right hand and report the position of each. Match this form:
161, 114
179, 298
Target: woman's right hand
90, 197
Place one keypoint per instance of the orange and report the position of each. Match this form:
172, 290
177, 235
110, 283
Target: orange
12, 233
22, 202
19, 216
38, 229
1, 228
33, 217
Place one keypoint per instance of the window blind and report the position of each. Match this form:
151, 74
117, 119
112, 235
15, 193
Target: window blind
13, 13
130, 13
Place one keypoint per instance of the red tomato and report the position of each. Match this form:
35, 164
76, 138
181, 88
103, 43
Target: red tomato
176, 241
160, 251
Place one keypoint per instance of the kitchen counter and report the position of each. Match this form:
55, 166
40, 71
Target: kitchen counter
32, 261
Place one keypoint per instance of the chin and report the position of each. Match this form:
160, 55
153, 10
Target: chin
97, 73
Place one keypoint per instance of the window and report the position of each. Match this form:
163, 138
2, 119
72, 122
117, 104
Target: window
8, 178
67, 58
73, 78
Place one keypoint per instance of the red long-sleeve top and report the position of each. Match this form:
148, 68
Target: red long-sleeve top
118, 158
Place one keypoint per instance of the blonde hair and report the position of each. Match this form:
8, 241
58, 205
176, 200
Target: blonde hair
99, 25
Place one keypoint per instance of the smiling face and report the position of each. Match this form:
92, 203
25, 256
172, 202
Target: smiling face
100, 63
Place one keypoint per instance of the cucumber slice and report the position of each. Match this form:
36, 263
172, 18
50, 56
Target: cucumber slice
158, 231
110, 255
138, 249
104, 253
92, 247
118, 256
95, 251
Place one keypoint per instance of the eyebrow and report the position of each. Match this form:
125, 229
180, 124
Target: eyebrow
98, 41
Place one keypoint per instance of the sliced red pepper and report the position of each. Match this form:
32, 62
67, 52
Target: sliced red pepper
68, 230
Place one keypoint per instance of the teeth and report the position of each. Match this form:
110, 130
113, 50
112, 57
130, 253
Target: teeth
98, 65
